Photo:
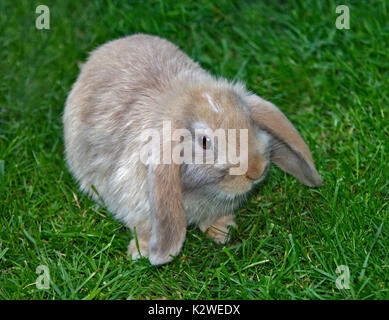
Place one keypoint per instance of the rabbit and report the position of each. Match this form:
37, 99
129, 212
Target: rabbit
139, 83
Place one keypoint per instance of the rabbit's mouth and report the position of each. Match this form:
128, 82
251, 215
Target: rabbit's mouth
263, 175
240, 184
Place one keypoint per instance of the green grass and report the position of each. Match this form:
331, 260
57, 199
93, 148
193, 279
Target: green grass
333, 85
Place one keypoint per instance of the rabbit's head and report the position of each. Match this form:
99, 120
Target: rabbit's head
230, 152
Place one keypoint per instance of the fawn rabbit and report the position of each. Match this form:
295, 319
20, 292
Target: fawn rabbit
140, 83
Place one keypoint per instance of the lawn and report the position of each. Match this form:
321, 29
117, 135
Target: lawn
332, 83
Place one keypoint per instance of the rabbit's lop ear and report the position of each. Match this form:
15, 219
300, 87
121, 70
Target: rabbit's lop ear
168, 216
288, 151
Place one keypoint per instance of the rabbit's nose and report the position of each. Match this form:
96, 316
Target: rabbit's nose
255, 167
253, 174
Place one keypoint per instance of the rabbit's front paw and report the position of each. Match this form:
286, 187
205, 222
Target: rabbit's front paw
218, 230
133, 251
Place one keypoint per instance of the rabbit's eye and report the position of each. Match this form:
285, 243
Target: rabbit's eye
205, 142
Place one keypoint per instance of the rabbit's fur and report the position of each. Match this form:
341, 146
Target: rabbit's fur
135, 83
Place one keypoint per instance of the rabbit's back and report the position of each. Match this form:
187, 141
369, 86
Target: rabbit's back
112, 101
132, 69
